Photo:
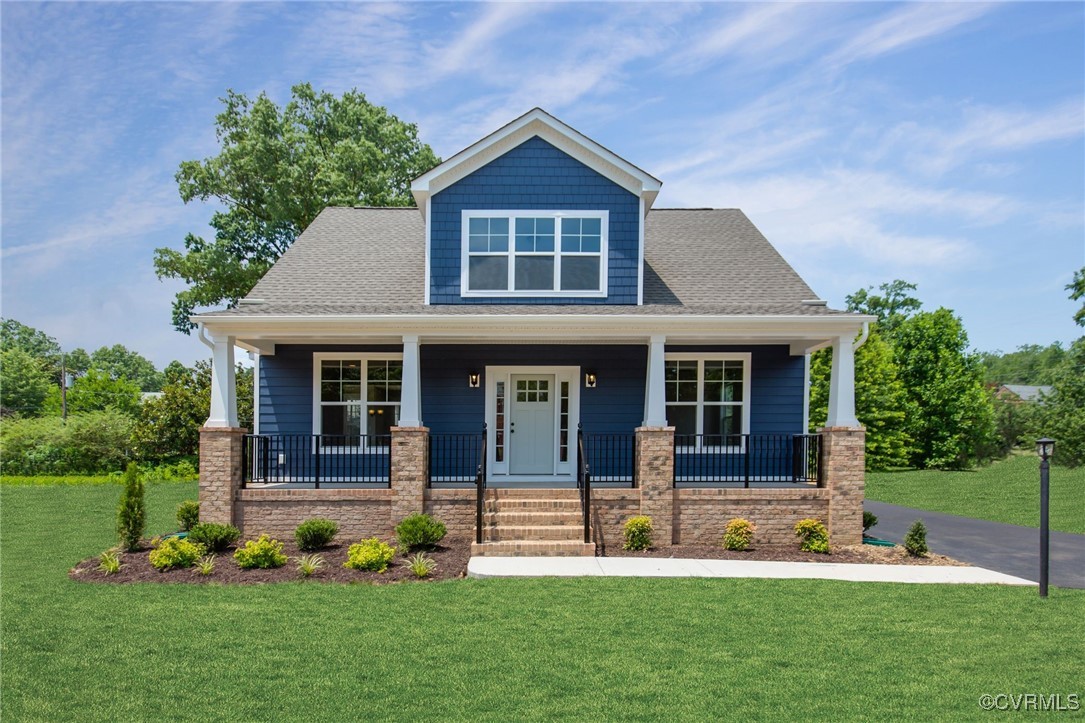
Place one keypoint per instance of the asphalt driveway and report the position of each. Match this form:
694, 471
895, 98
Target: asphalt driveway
1011, 549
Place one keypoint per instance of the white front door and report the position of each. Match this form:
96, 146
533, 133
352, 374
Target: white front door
531, 424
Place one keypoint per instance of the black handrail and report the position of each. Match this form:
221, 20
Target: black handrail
747, 458
480, 486
315, 459
583, 481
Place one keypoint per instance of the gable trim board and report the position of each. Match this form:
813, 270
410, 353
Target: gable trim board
536, 122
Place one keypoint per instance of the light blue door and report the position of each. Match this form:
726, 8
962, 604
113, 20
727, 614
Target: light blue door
531, 424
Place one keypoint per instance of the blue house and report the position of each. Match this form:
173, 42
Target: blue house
534, 324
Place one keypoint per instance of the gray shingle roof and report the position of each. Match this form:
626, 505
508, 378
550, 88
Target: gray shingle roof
371, 261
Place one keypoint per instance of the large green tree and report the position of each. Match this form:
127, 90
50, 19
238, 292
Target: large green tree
96, 391
892, 307
950, 420
880, 401
1077, 293
1030, 364
169, 426
24, 382
120, 362
276, 169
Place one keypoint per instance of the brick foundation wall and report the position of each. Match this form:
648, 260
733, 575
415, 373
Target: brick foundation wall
455, 508
653, 465
610, 508
700, 515
220, 472
360, 513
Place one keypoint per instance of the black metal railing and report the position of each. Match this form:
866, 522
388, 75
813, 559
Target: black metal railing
480, 486
747, 458
610, 457
454, 457
583, 482
315, 459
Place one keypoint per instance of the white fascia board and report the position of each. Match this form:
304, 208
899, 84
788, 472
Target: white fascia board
536, 122
781, 329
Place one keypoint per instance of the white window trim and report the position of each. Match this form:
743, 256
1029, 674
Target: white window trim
318, 420
701, 358
604, 247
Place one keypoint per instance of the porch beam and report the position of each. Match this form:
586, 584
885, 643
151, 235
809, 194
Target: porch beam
842, 384
223, 389
655, 404
410, 406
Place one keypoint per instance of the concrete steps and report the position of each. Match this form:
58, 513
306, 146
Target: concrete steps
532, 523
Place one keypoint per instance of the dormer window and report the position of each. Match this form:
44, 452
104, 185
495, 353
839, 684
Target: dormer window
534, 253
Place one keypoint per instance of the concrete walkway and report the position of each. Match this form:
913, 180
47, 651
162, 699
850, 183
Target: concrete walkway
667, 567
1011, 549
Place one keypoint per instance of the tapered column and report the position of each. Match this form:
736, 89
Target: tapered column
655, 393
410, 408
842, 385
223, 392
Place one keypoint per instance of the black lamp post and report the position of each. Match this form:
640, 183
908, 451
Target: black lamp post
1045, 448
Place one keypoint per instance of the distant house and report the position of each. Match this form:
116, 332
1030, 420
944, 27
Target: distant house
1023, 392
533, 354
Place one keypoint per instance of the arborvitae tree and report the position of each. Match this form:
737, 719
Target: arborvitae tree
132, 513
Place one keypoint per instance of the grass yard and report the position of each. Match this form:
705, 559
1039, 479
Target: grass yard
1004, 491
498, 649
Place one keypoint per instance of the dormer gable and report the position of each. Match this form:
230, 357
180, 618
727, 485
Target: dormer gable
537, 122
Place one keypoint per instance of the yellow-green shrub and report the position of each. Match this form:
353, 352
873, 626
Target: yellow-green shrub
263, 553
638, 533
370, 554
738, 534
813, 535
175, 552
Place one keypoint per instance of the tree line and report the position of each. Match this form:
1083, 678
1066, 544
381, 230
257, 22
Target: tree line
110, 420
927, 401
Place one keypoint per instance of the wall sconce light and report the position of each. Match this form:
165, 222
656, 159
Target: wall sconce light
589, 380
473, 380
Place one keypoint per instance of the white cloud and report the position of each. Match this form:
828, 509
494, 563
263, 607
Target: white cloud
912, 24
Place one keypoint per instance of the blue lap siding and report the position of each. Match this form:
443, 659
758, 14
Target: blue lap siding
537, 176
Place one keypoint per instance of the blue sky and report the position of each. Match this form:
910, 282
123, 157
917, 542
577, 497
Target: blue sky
941, 144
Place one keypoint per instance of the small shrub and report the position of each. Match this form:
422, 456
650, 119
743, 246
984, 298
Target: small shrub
213, 536
175, 552
206, 565
188, 514
109, 562
738, 534
132, 512
308, 564
638, 533
915, 542
371, 554
813, 536
419, 531
421, 565
263, 553
869, 520
315, 533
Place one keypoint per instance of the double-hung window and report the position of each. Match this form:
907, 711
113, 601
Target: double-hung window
708, 399
356, 399
535, 253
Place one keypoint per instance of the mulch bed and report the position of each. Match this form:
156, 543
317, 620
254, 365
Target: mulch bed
451, 557
868, 554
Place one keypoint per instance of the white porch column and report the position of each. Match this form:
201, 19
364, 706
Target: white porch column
842, 385
655, 405
410, 406
223, 392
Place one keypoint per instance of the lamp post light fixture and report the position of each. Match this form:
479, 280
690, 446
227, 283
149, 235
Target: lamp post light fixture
1045, 447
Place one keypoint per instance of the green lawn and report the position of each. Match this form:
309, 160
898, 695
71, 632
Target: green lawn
498, 649
1005, 491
